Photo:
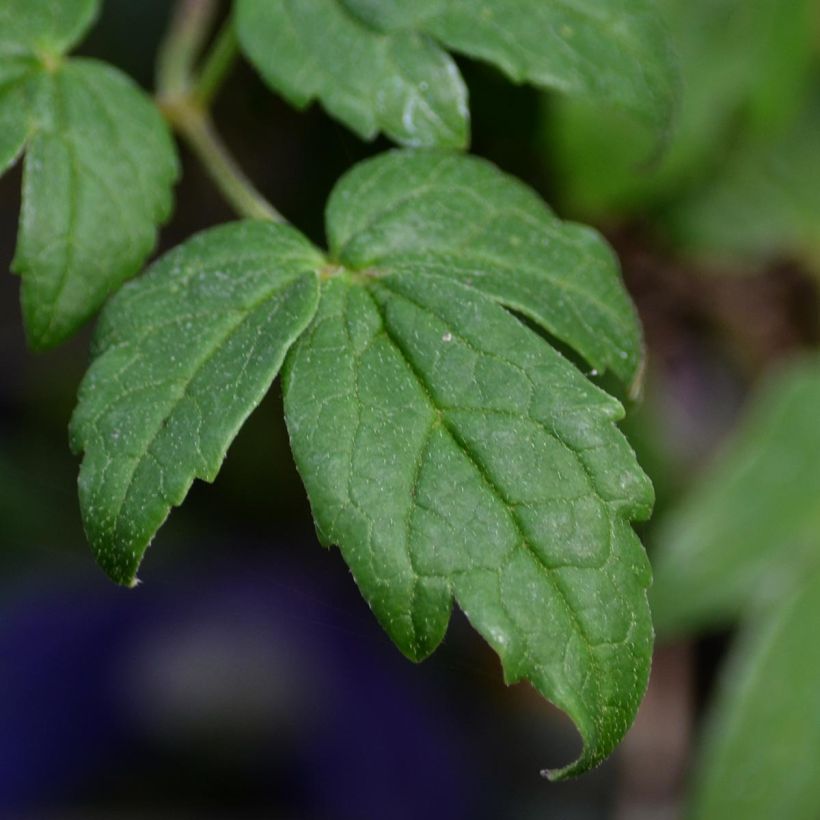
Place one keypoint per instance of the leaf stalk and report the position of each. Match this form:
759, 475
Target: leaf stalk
184, 97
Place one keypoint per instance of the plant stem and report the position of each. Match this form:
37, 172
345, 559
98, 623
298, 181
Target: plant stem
195, 126
191, 23
217, 65
184, 100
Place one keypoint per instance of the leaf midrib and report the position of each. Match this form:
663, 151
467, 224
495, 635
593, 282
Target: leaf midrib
198, 367
476, 462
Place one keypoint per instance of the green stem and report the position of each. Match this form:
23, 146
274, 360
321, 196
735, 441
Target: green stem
195, 126
191, 23
217, 65
184, 101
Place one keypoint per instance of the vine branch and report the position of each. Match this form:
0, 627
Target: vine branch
185, 94
217, 65
191, 23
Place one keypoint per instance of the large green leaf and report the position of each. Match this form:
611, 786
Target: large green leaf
453, 454
762, 744
98, 173
380, 65
182, 356
752, 523
448, 449
462, 218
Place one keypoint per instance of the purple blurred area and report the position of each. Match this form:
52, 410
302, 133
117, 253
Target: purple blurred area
255, 684
239, 686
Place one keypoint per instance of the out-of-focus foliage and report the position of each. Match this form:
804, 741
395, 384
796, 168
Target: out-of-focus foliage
763, 203
734, 186
745, 545
752, 523
760, 752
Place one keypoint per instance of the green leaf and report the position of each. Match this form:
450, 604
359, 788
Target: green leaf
764, 206
452, 454
750, 526
745, 68
39, 28
381, 65
613, 51
182, 356
14, 128
448, 449
762, 744
98, 174
99, 167
32, 33
461, 217
402, 84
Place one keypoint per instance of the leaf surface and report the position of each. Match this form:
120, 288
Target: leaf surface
750, 527
182, 356
453, 455
612, 51
762, 741
464, 219
403, 84
448, 449
98, 174
43, 27
99, 169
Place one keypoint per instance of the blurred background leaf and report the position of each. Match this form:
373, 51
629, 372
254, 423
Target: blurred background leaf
751, 525
742, 137
762, 743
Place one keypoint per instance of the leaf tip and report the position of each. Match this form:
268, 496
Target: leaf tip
578, 767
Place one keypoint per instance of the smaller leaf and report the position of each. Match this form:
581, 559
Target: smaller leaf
32, 33
99, 168
15, 89
98, 174
401, 84
182, 356
762, 741
750, 526
381, 65
43, 28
